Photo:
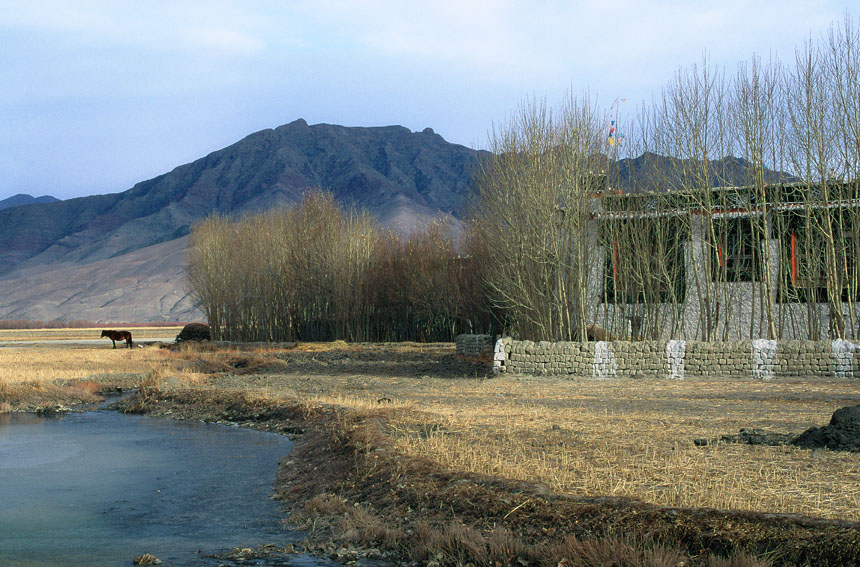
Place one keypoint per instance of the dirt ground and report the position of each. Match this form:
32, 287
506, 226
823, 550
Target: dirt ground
406, 451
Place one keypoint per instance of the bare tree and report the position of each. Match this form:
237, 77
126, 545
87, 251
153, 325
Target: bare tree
531, 208
757, 105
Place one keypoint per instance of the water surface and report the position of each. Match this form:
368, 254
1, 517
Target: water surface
99, 488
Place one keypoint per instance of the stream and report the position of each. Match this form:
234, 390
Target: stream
99, 488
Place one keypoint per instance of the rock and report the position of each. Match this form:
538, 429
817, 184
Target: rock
54, 409
146, 559
242, 554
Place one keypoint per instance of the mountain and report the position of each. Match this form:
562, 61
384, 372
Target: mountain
637, 174
120, 257
24, 199
99, 257
142, 286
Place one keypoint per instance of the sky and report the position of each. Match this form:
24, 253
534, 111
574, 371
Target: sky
96, 96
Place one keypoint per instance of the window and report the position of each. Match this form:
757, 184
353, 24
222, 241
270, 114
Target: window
807, 262
737, 252
644, 261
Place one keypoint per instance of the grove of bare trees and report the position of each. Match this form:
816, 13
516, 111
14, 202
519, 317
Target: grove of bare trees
550, 247
318, 272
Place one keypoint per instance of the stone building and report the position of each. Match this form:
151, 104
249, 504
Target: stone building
738, 263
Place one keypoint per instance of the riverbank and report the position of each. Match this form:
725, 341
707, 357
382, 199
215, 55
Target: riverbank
406, 452
347, 484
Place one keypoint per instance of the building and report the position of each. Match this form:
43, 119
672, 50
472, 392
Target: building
730, 263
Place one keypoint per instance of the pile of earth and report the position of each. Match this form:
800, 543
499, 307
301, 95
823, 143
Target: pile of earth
756, 437
194, 332
841, 434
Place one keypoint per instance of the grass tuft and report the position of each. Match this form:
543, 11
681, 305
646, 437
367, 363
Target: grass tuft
363, 528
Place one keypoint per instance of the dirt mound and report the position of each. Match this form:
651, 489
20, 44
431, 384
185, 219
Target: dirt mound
194, 332
842, 434
757, 437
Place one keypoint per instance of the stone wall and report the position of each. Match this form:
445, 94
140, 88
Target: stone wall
761, 359
475, 346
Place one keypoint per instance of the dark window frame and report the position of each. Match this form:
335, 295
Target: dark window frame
658, 289
737, 253
797, 283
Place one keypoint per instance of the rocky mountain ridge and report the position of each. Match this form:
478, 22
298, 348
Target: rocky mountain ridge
404, 178
120, 257
400, 176
22, 199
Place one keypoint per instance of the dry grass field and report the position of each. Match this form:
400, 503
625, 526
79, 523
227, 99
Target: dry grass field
584, 437
635, 439
40, 355
87, 334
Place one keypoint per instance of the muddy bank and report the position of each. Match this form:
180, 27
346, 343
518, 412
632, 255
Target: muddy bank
346, 484
52, 397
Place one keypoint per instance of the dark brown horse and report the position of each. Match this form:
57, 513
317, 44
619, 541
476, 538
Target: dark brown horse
115, 336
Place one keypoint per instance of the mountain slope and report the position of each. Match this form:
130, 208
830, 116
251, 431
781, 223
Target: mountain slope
144, 285
121, 256
391, 171
23, 199
653, 172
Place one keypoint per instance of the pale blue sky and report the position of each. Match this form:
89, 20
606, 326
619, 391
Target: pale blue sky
96, 95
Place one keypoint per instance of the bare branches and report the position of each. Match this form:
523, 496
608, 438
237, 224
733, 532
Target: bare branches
551, 250
534, 200
317, 272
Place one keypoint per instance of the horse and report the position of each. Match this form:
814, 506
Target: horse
115, 336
